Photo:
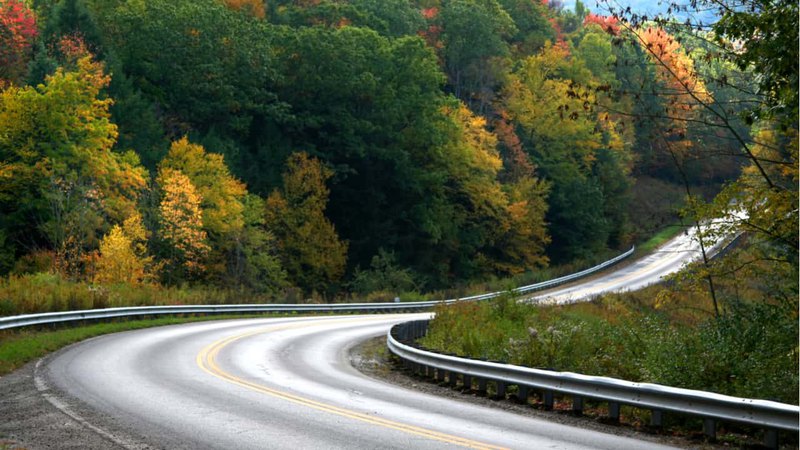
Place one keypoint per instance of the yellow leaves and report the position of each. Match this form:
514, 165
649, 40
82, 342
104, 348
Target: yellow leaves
222, 195
182, 220
122, 254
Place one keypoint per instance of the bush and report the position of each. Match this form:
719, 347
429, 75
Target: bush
384, 275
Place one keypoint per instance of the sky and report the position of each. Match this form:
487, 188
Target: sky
641, 6
648, 7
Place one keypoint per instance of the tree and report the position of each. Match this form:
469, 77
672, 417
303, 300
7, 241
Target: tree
565, 137
252, 7
473, 35
17, 33
533, 26
181, 220
760, 41
394, 18
312, 253
56, 144
254, 261
123, 256
221, 193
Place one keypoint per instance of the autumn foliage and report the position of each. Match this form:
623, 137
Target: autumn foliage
182, 223
17, 33
286, 145
609, 24
312, 252
254, 7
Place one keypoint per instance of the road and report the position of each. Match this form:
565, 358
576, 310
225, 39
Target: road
666, 260
283, 383
288, 383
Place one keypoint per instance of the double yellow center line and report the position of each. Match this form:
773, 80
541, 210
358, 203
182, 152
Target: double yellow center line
206, 360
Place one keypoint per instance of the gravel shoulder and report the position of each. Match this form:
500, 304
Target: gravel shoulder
34, 415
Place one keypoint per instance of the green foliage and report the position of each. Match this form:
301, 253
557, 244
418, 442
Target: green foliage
383, 275
473, 33
751, 352
254, 262
55, 148
554, 144
312, 253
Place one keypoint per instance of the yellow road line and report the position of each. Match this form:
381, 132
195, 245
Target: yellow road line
206, 360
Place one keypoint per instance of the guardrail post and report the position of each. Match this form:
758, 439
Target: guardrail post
522, 394
577, 404
771, 438
501, 390
710, 428
439, 375
482, 385
452, 379
656, 418
467, 379
613, 411
547, 400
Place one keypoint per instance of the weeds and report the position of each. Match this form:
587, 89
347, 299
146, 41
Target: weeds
750, 352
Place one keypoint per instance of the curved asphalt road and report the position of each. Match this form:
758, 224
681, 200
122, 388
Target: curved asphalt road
283, 383
288, 383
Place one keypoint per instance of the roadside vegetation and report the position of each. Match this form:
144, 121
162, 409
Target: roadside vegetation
750, 352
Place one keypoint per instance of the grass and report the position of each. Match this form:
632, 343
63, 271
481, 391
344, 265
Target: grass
749, 352
18, 348
660, 238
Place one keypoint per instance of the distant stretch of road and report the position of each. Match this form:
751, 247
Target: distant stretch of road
668, 259
288, 383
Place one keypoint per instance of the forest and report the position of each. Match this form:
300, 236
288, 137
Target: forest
342, 147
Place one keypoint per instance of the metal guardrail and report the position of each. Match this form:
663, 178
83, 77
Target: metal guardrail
110, 313
711, 407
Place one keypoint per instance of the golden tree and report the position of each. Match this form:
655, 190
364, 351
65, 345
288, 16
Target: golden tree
182, 222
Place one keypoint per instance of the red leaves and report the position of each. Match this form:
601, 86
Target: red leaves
19, 20
430, 13
609, 24
17, 32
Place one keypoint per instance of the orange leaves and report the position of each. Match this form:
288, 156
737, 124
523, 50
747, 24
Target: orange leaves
675, 67
684, 91
517, 163
253, 7
609, 24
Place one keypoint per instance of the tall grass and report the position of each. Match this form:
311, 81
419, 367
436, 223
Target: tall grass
45, 292
749, 352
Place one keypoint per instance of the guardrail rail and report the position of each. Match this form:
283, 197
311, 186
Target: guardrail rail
110, 313
471, 373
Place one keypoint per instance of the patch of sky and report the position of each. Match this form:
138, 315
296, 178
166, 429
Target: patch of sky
649, 8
